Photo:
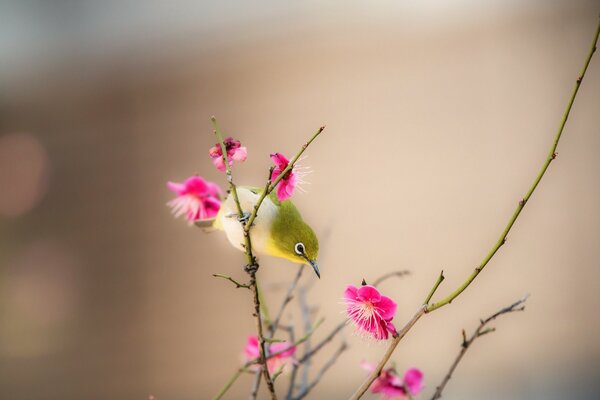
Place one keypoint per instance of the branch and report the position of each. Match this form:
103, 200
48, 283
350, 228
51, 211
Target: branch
551, 156
343, 347
428, 308
341, 325
392, 274
255, 361
236, 283
306, 321
252, 266
288, 297
272, 185
466, 343
435, 287
377, 371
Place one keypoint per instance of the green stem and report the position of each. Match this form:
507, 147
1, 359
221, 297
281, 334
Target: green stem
435, 287
551, 156
272, 185
425, 309
230, 383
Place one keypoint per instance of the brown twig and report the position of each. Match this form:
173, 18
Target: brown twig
389, 275
230, 279
286, 300
343, 347
466, 343
252, 265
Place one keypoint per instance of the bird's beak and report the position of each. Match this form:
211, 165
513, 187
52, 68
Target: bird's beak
313, 264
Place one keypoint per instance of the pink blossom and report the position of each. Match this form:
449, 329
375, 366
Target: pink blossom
197, 198
291, 180
371, 312
235, 152
391, 386
252, 352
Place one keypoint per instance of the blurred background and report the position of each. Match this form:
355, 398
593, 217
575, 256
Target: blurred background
439, 115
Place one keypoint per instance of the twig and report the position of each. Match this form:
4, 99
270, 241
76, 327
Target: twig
252, 266
341, 325
306, 321
343, 347
272, 185
256, 383
236, 283
435, 287
428, 308
521, 204
230, 382
288, 297
394, 342
254, 361
322, 343
382, 278
466, 343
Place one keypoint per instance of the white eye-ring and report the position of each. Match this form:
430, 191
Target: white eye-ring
299, 248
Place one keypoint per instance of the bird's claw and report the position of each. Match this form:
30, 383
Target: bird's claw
244, 217
251, 268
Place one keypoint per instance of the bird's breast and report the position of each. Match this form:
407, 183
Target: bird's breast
260, 232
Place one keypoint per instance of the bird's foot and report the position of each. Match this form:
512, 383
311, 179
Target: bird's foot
251, 268
244, 217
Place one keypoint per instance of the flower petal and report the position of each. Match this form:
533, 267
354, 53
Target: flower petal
238, 154
413, 379
175, 187
351, 292
369, 293
387, 307
280, 161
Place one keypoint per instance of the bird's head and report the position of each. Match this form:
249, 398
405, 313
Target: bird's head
293, 239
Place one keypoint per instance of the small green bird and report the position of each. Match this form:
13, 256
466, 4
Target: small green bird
277, 231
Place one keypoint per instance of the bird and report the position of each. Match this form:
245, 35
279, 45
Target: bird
278, 229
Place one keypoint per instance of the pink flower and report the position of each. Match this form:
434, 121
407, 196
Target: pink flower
391, 386
197, 198
235, 152
252, 352
291, 180
371, 312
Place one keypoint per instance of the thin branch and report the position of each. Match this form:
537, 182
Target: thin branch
252, 266
521, 204
273, 185
343, 347
428, 308
382, 278
255, 361
466, 343
236, 283
322, 343
256, 384
288, 297
435, 287
306, 321
341, 325
394, 342
230, 383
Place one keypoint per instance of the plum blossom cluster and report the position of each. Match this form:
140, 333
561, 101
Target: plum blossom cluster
391, 386
283, 354
370, 311
235, 152
199, 199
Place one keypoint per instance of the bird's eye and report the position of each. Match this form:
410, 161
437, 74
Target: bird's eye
299, 248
